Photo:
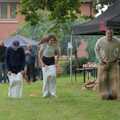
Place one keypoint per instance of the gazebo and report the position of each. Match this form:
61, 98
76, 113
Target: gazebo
110, 18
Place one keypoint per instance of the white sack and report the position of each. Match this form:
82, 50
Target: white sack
49, 86
15, 85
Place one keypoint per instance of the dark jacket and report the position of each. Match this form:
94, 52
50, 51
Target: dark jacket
30, 58
2, 54
15, 59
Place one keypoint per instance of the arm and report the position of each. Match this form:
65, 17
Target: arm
40, 54
99, 55
119, 48
7, 58
97, 51
57, 54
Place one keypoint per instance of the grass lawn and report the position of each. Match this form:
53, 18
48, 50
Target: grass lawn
71, 103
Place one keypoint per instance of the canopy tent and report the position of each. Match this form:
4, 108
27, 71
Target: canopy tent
114, 22
97, 26
23, 41
110, 18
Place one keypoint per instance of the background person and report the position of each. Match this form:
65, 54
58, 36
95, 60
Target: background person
30, 64
3, 71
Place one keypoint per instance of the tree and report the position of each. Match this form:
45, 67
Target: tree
60, 10
41, 19
104, 2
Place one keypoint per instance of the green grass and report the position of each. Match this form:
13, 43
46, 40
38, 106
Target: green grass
72, 103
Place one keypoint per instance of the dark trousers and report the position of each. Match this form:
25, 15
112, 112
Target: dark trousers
31, 72
3, 73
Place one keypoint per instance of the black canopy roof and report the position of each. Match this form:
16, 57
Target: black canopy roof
110, 18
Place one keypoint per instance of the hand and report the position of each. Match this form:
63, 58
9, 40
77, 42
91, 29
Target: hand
43, 65
46, 66
9, 72
105, 60
23, 72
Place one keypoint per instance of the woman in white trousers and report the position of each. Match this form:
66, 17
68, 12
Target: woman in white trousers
48, 56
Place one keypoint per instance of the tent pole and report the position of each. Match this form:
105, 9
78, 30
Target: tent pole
71, 58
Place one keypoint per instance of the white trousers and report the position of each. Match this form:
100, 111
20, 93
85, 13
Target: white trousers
15, 85
49, 80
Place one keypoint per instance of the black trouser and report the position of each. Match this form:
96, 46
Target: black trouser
3, 73
31, 72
